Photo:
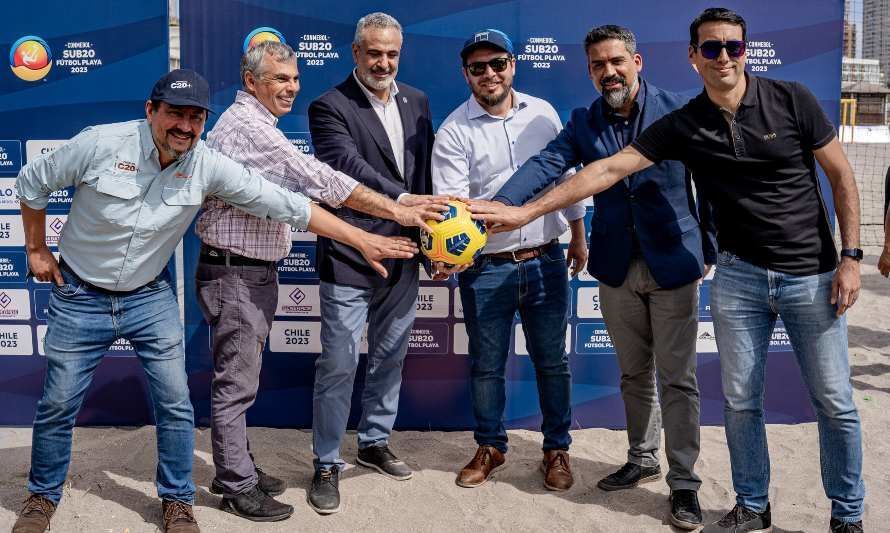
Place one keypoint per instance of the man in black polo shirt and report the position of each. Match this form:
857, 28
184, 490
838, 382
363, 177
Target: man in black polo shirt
752, 145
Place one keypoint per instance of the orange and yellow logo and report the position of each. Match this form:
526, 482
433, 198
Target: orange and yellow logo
259, 35
30, 58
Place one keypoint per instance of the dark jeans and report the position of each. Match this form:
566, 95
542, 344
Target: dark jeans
239, 304
491, 292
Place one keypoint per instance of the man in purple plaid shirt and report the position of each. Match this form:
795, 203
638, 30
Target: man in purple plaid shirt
237, 280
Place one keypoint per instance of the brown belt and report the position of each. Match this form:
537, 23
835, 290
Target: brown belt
524, 254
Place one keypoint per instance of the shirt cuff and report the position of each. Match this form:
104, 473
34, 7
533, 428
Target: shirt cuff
37, 204
399, 199
340, 189
502, 199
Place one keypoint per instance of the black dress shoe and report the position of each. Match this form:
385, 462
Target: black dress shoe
381, 459
629, 476
269, 484
836, 526
685, 511
324, 494
254, 504
742, 520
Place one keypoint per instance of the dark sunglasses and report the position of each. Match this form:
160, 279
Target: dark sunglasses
498, 64
711, 49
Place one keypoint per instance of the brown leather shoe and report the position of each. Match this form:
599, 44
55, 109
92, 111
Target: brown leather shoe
178, 517
557, 472
35, 515
486, 462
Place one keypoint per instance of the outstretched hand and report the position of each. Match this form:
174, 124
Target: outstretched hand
375, 248
416, 209
498, 217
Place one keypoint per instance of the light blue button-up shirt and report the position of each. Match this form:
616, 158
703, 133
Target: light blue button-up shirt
128, 214
476, 153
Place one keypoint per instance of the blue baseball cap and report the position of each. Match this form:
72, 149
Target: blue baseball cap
182, 87
490, 38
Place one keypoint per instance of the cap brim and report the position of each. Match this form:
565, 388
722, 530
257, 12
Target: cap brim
187, 102
480, 44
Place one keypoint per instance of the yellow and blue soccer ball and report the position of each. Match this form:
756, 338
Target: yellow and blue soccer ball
457, 240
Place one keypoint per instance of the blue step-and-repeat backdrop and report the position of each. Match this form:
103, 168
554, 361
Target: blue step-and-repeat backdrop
784, 42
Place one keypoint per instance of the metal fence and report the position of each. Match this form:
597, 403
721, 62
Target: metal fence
870, 162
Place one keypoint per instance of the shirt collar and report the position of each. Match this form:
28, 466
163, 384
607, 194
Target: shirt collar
393, 90
255, 108
635, 110
475, 110
146, 140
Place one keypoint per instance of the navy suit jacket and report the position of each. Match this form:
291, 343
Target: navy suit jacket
348, 135
657, 203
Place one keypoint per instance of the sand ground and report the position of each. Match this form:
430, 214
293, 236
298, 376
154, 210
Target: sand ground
110, 487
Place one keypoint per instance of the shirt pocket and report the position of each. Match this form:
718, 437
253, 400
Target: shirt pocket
175, 196
116, 198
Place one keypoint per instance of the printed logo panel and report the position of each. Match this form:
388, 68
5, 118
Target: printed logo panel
301, 235
41, 339
41, 303
298, 300
54, 226
13, 267
16, 340
588, 305
298, 265
36, 148
12, 232
428, 339
432, 302
779, 341
458, 304
121, 348
705, 340
8, 198
522, 349
461, 341
295, 337
15, 304
593, 338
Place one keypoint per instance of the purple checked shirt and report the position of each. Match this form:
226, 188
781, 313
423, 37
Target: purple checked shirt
247, 133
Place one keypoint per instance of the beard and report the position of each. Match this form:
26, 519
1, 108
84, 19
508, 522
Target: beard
172, 152
617, 98
491, 100
368, 79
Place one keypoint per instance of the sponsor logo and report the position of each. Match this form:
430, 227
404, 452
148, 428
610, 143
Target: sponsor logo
706, 336
297, 296
180, 85
769, 136
30, 58
481, 36
5, 300
57, 225
298, 300
15, 304
259, 35
181, 176
127, 166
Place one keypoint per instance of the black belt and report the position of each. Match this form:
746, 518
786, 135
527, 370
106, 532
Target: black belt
524, 254
95, 288
217, 256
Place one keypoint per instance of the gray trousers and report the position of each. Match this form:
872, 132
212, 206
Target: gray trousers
239, 304
654, 331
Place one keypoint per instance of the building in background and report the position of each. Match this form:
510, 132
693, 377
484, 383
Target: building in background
876, 33
863, 81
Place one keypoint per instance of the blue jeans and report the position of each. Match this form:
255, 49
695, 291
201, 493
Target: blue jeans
492, 291
389, 312
83, 322
746, 300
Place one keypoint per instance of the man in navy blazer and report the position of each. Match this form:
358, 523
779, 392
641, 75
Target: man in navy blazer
381, 134
646, 250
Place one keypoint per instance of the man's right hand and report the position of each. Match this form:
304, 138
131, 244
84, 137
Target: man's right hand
44, 267
375, 248
416, 209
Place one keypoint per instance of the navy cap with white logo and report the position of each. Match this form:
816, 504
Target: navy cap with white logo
182, 87
491, 38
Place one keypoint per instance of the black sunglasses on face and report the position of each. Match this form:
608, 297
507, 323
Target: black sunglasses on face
711, 49
498, 64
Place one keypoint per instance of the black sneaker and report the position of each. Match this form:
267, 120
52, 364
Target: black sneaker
685, 511
836, 526
742, 520
269, 484
324, 494
254, 504
382, 460
628, 476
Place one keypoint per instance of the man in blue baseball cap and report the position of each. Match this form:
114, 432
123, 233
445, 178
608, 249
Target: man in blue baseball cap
138, 186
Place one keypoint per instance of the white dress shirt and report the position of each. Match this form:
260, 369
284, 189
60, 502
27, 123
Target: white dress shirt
388, 113
475, 153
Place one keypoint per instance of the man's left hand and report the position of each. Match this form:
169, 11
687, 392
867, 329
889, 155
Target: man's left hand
576, 256
845, 285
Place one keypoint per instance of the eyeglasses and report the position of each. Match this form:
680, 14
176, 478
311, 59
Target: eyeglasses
498, 64
711, 49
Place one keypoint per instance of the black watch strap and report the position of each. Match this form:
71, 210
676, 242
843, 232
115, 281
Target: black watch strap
853, 253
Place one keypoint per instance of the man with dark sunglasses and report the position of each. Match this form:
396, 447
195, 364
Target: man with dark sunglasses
752, 145
477, 148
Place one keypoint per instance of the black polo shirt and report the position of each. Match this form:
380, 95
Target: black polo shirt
758, 170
